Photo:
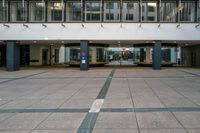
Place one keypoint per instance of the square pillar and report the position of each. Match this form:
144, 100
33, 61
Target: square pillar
13, 56
148, 55
84, 59
141, 54
157, 55
94, 55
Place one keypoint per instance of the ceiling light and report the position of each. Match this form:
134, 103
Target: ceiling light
63, 25
6, 25
44, 25
25, 25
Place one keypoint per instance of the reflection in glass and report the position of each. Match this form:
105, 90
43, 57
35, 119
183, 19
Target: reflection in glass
149, 12
93, 11
37, 11
74, 54
168, 12
55, 11
198, 12
111, 11
73, 11
17, 11
3, 12
130, 11
187, 11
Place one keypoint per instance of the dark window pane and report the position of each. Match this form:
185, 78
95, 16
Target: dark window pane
3, 12
17, 11
73, 11
111, 8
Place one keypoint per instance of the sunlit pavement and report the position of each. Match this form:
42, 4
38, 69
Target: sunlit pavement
101, 100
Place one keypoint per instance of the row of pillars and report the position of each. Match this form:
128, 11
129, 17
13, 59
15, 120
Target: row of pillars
13, 55
84, 45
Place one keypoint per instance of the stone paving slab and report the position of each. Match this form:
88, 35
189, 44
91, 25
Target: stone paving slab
189, 119
162, 131
157, 120
25, 121
58, 100
58, 121
123, 121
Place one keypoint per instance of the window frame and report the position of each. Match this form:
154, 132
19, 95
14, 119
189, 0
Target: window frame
179, 17
66, 15
137, 13
25, 11
63, 11
93, 12
44, 14
7, 13
162, 21
142, 10
105, 7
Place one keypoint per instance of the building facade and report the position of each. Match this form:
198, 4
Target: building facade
37, 32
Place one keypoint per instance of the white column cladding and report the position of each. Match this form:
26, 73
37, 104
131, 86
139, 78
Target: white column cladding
94, 55
67, 54
61, 54
148, 55
173, 55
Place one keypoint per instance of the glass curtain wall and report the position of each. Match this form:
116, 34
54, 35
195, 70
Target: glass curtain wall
73, 11
93, 11
198, 12
111, 11
130, 11
18, 13
55, 11
3, 12
187, 12
36, 11
149, 11
168, 11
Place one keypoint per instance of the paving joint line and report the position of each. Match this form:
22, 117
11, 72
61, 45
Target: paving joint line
84, 110
180, 93
132, 97
23, 77
59, 106
165, 106
89, 121
196, 75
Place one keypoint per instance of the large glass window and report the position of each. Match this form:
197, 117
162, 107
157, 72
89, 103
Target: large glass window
168, 12
17, 11
73, 11
3, 12
130, 11
149, 11
92, 11
187, 12
37, 11
198, 12
55, 11
111, 11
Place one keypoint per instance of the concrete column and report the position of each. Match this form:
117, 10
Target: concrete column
84, 59
67, 54
94, 54
157, 55
141, 54
13, 56
62, 55
147, 55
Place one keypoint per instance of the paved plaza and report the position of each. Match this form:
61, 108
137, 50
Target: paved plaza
101, 100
